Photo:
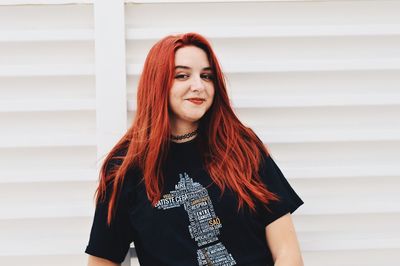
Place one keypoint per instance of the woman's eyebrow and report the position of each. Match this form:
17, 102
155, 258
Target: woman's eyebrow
186, 67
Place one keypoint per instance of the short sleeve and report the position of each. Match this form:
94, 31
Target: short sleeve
276, 182
111, 242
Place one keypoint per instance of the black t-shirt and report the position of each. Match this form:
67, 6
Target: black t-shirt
191, 224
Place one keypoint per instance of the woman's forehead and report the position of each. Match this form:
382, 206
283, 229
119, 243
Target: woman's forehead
191, 57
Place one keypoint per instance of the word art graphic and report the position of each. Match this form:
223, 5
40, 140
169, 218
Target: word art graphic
204, 223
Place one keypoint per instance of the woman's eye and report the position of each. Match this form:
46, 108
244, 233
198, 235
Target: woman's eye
181, 76
184, 76
208, 76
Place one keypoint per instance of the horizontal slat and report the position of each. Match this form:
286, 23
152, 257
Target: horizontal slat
47, 260
44, 2
56, 209
48, 175
47, 200
313, 65
323, 124
268, 31
323, 85
359, 188
44, 104
47, 128
348, 241
337, 205
367, 257
46, 70
46, 140
63, 2
350, 231
46, 35
262, 13
329, 171
347, 223
340, 159
42, 54
349, 117
77, 88
344, 154
300, 135
201, 1
45, 236
218, 1
357, 196
50, 159
362, 187
55, 15
288, 101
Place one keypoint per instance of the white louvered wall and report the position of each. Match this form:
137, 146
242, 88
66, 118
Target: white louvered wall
319, 82
48, 132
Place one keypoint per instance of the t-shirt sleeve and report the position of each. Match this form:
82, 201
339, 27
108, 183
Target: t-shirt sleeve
276, 182
111, 242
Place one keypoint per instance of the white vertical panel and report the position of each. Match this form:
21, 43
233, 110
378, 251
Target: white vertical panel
110, 73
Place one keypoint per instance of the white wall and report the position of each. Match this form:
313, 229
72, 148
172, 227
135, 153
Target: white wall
319, 81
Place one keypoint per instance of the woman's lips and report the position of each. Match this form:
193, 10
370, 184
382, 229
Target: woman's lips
196, 101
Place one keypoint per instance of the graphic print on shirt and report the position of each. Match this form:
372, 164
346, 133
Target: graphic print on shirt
204, 223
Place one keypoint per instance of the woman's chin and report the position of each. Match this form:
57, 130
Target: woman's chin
193, 118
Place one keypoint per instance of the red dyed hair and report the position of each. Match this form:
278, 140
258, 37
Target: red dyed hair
233, 152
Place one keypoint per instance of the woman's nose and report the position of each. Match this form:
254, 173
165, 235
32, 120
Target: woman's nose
197, 84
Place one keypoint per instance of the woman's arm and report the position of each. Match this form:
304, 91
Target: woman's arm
96, 261
283, 243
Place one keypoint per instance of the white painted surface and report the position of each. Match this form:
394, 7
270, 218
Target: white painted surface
111, 101
319, 81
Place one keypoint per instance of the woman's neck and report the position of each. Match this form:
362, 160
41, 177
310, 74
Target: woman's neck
179, 129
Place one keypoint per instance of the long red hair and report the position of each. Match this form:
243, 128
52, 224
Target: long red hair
233, 151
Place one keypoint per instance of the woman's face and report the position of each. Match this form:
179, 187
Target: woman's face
192, 91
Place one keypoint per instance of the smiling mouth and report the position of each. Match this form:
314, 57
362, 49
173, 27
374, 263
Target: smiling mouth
197, 101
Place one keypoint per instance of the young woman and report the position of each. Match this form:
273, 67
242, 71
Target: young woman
188, 183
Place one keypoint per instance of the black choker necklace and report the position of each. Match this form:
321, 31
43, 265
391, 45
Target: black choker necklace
185, 136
